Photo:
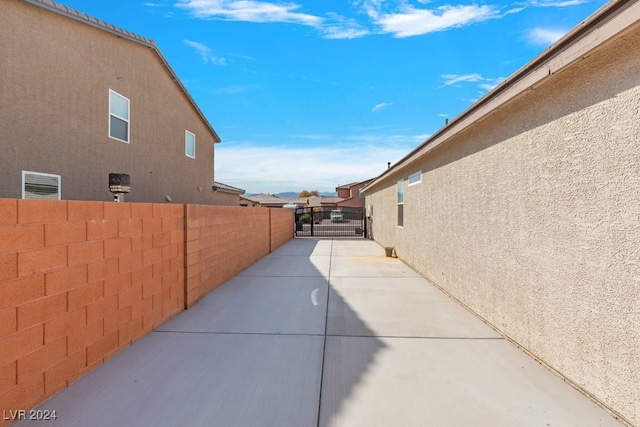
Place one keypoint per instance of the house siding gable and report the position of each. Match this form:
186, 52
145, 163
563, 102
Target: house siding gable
57, 73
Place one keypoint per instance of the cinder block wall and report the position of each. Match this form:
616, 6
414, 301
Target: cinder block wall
221, 242
282, 221
80, 281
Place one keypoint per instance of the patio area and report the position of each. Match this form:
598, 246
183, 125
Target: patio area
324, 332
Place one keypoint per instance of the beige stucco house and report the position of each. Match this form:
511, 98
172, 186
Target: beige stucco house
227, 195
80, 98
526, 208
351, 194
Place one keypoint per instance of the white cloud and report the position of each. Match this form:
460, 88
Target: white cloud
205, 53
545, 36
249, 11
484, 83
410, 21
380, 106
556, 3
342, 32
338, 27
450, 79
397, 18
487, 86
260, 169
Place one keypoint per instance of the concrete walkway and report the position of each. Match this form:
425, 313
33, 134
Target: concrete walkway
324, 333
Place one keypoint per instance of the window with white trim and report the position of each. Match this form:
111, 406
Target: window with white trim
401, 203
415, 178
118, 117
36, 185
189, 144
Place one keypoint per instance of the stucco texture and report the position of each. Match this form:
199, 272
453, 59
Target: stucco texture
531, 218
54, 104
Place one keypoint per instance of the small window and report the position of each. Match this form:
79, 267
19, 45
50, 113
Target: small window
118, 117
415, 178
401, 203
37, 185
190, 145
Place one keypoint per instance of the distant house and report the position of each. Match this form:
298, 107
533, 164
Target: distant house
271, 201
226, 195
246, 201
347, 196
351, 194
80, 98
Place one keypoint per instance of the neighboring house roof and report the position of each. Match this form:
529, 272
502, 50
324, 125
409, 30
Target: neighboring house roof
353, 184
224, 188
360, 185
262, 197
331, 200
269, 200
312, 201
296, 200
593, 33
346, 185
102, 25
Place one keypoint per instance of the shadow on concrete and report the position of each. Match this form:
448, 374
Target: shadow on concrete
251, 353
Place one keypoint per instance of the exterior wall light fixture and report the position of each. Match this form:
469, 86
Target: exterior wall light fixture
119, 183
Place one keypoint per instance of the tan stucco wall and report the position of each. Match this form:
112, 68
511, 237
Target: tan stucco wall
225, 199
532, 219
352, 194
54, 100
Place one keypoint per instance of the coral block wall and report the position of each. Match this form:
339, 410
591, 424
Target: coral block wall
221, 242
80, 281
282, 221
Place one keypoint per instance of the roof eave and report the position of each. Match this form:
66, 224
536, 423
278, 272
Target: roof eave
596, 30
222, 189
119, 32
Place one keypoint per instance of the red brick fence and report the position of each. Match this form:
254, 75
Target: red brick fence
80, 281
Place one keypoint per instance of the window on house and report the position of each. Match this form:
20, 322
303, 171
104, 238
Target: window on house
118, 117
37, 185
400, 203
190, 145
415, 178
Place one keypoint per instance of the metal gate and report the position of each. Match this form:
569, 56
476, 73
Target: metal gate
323, 221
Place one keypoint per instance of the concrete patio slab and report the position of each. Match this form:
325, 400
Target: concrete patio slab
440, 382
305, 247
398, 307
289, 266
370, 266
350, 338
252, 304
350, 247
192, 379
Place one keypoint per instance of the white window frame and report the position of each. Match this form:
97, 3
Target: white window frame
120, 118
58, 177
415, 178
400, 205
186, 144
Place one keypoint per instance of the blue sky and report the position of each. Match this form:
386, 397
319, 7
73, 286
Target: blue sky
315, 94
